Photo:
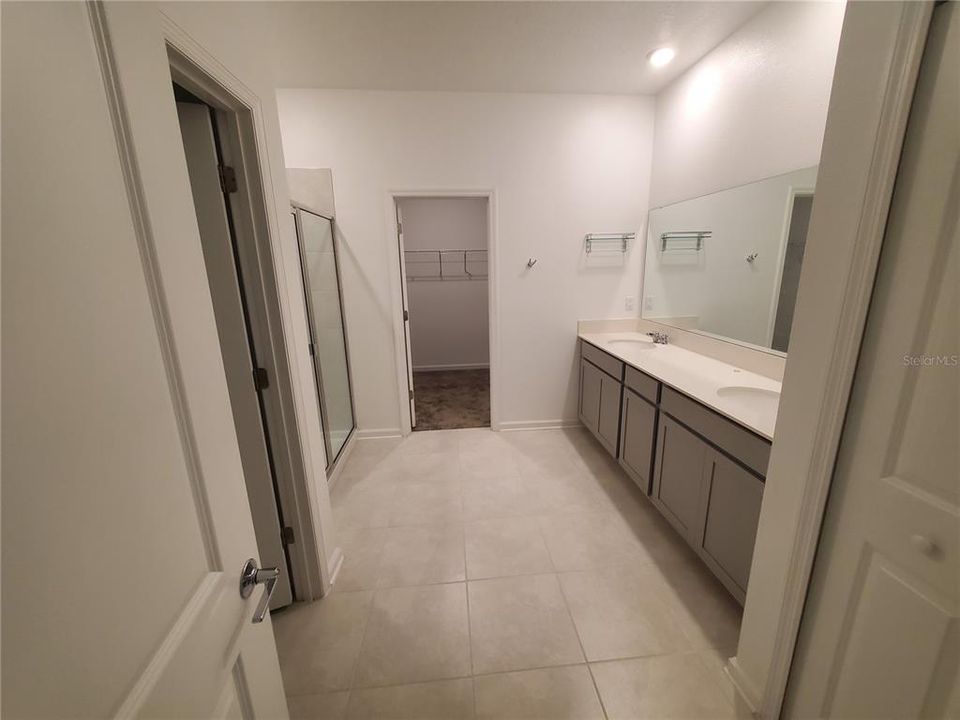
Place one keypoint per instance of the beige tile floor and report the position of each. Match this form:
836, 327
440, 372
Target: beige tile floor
506, 575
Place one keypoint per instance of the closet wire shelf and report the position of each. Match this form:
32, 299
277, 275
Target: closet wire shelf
434, 265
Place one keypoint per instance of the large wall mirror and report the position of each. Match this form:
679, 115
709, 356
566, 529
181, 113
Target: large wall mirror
728, 264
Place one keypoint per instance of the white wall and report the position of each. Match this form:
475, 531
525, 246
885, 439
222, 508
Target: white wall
561, 166
753, 107
449, 319
312, 188
716, 287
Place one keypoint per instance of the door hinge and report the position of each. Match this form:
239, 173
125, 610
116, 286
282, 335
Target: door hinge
406, 315
287, 535
228, 179
400, 228
312, 348
411, 394
261, 381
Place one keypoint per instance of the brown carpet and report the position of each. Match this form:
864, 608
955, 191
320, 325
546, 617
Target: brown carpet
449, 399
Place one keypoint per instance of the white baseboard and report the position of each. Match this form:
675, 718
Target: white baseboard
438, 368
742, 684
342, 461
372, 433
512, 425
508, 426
336, 562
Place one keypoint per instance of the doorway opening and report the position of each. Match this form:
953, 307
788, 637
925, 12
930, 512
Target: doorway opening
213, 182
443, 244
792, 260
221, 150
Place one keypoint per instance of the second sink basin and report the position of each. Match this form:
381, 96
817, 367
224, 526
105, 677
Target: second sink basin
754, 397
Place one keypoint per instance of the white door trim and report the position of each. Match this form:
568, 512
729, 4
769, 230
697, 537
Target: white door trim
152, 272
396, 294
861, 186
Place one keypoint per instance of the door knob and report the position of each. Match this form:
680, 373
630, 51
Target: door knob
251, 576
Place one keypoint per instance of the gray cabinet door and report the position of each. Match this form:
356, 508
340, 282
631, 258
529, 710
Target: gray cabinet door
732, 513
608, 428
679, 478
638, 419
590, 378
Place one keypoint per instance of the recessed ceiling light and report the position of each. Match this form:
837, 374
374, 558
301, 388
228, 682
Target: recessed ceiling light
661, 56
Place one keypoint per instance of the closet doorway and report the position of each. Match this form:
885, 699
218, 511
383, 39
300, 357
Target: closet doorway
443, 245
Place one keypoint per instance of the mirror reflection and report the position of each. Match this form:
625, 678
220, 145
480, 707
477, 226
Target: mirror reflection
728, 264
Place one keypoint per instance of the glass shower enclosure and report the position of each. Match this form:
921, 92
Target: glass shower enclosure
328, 337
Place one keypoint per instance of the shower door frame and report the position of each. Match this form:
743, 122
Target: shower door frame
332, 459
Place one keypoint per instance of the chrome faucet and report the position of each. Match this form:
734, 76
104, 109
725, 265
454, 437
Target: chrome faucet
659, 338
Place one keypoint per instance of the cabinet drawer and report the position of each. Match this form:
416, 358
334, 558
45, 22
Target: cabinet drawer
607, 363
752, 450
642, 384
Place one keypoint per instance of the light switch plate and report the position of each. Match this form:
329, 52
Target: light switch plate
629, 302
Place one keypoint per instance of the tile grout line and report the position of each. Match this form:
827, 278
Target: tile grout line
466, 580
588, 663
585, 470
363, 638
583, 650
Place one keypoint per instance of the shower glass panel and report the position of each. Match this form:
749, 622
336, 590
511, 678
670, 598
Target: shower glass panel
321, 284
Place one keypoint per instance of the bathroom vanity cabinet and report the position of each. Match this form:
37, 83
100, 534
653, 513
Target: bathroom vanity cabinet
601, 377
701, 470
708, 482
638, 426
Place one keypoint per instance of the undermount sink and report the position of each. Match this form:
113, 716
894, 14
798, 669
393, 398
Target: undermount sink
643, 342
754, 397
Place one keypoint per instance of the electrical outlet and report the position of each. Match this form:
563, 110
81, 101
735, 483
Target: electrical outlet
628, 302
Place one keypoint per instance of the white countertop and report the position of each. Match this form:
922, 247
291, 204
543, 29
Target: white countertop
744, 397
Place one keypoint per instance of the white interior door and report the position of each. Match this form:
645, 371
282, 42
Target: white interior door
125, 517
200, 148
406, 317
880, 636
